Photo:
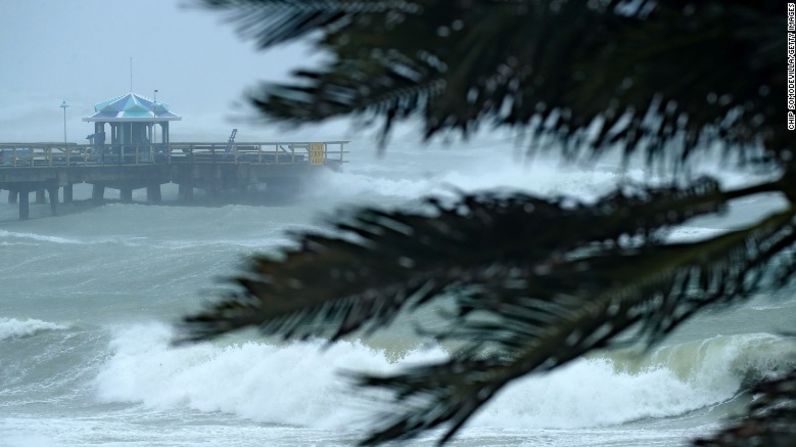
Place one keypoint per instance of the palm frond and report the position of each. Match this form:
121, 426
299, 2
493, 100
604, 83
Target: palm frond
640, 75
534, 282
640, 294
383, 260
271, 22
770, 420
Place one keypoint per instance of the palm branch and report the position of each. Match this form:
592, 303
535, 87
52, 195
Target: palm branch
382, 260
647, 293
535, 282
665, 77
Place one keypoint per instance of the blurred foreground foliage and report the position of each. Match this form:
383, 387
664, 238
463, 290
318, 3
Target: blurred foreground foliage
536, 282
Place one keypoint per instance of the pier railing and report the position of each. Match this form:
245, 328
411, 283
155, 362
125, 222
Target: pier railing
21, 155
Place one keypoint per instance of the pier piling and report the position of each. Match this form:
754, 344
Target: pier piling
186, 192
98, 193
52, 191
68, 193
24, 205
126, 194
40, 196
153, 193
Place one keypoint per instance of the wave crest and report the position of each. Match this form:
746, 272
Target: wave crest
11, 328
300, 384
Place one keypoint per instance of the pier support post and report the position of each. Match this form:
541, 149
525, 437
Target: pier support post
40, 196
12, 195
126, 194
153, 193
52, 191
68, 190
24, 205
98, 193
186, 192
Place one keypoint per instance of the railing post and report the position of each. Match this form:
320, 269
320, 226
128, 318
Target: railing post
68, 156
49, 156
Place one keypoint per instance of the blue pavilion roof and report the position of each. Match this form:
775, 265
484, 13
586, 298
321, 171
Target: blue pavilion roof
131, 107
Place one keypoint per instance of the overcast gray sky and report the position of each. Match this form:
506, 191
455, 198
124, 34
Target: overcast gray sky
79, 50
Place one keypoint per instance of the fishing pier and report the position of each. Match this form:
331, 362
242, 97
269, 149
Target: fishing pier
136, 158
51, 169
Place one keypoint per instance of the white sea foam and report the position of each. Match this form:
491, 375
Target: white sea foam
14, 328
297, 384
300, 384
669, 382
36, 237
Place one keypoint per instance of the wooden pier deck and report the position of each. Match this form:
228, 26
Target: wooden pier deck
212, 167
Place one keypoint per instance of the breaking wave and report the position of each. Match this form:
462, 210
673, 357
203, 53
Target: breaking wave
13, 328
300, 383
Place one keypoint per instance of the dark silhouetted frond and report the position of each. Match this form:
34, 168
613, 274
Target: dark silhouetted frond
533, 283
271, 22
642, 293
382, 260
640, 75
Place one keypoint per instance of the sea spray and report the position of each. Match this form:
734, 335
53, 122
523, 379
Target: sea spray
365, 184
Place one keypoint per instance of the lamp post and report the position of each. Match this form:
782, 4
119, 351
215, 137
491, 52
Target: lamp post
155, 115
64, 105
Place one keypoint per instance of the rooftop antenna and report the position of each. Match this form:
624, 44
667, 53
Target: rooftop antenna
64, 105
131, 74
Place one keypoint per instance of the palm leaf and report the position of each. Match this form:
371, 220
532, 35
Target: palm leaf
535, 282
640, 75
648, 293
381, 261
271, 22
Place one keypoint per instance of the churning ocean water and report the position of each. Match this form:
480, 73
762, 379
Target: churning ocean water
87, 300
